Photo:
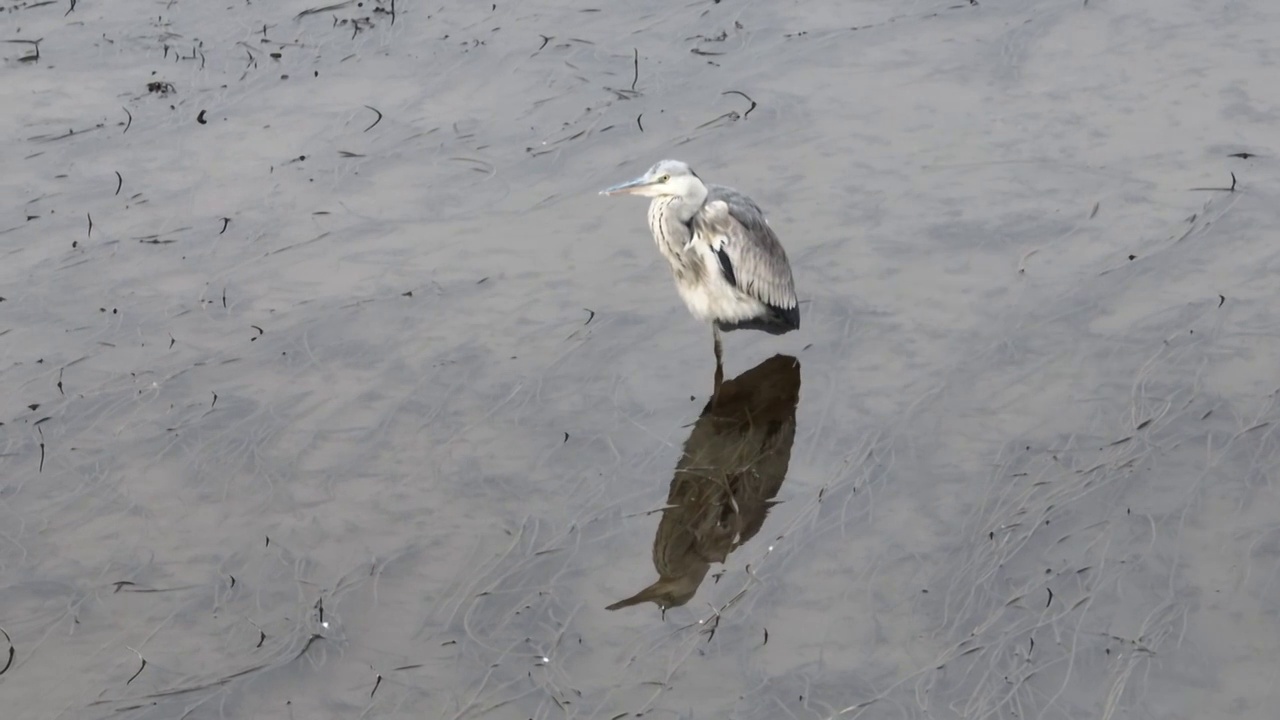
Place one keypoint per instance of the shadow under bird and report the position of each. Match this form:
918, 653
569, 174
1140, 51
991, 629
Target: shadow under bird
729, 267
733, 465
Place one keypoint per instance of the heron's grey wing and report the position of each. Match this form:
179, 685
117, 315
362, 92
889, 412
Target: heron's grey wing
750, 255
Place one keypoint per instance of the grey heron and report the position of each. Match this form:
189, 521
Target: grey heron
729, 267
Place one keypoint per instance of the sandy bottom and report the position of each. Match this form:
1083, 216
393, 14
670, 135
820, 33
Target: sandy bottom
331, 389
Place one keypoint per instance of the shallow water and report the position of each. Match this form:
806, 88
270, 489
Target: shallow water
355, 400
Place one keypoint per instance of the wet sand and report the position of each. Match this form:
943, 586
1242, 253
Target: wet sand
330, 387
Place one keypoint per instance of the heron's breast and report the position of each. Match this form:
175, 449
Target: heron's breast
710, 297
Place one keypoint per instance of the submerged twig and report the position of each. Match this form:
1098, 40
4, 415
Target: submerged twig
375, 122
739, 92
1218, 189
29, 58
731, 115
144, 666
314, 11
8, 639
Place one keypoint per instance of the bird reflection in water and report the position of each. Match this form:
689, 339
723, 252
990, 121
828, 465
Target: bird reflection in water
733, 465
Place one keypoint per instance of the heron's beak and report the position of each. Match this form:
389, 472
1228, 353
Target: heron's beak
630, 188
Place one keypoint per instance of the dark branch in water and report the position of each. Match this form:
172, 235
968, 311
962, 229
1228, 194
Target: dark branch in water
135, 675
313, 11
737, 92
8, 639
29, 58
375, 122
1219, 189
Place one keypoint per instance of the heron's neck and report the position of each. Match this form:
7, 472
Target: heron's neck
669, 218
685, 206
669, 222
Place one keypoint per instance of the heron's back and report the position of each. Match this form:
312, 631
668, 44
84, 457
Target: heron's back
751, 259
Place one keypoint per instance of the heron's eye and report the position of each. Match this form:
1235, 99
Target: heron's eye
664, 178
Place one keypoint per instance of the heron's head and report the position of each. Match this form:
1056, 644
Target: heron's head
667, 178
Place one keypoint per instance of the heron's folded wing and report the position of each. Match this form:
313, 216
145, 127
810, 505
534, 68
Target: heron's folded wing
749, 252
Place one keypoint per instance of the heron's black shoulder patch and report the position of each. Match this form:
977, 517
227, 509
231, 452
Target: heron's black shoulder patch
726, 267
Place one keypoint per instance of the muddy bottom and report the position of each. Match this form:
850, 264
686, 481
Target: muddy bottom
331, 388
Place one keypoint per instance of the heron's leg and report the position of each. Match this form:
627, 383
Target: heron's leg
715, 334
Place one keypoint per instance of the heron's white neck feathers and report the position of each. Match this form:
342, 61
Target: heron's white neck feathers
690, 198
671, 231
670, 217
